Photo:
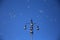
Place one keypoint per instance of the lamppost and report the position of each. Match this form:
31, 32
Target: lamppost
31, 28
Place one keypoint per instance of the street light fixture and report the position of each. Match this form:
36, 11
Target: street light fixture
31, 28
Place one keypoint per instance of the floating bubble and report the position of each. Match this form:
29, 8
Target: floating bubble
12, 15
41, 11
28, 0
28, 6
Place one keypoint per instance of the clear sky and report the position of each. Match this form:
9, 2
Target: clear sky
14, 14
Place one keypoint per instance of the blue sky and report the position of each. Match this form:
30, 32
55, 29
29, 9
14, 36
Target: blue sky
14, 14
